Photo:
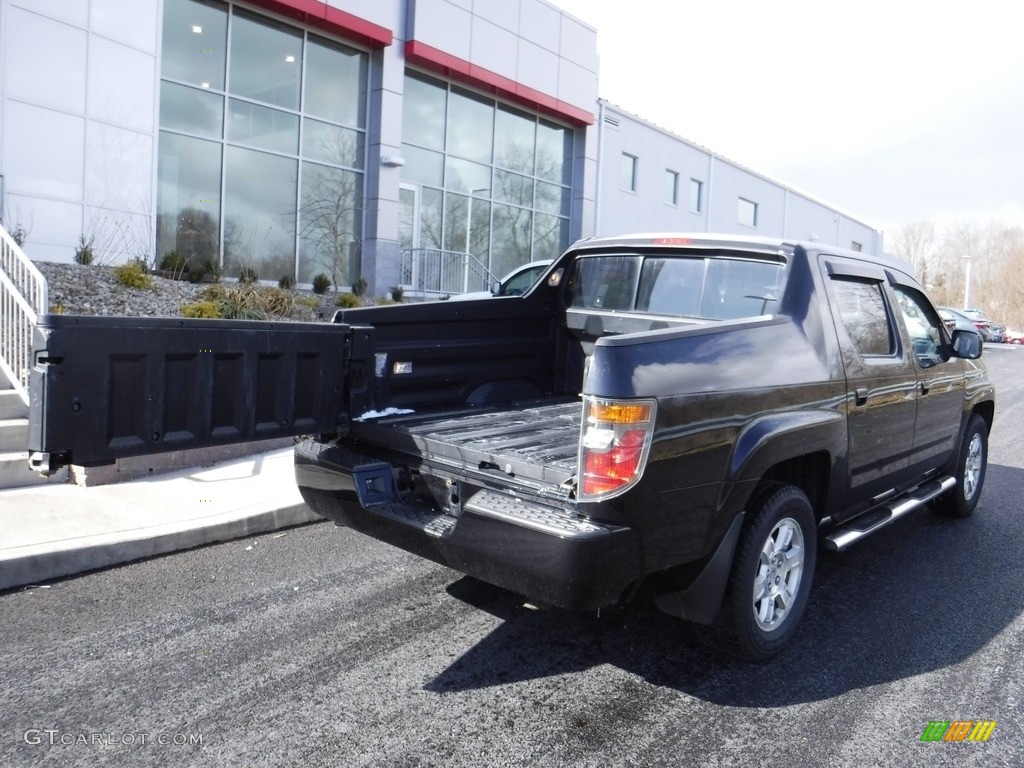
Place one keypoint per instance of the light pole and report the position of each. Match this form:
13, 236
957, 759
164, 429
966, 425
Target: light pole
967, 282
469, 228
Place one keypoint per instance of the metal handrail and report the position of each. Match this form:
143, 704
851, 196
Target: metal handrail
436, 272
23, 297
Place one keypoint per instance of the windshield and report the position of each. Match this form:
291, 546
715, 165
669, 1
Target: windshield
717, 288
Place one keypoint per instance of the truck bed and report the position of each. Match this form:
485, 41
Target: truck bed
534, 440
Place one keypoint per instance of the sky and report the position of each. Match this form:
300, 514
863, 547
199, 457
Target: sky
893, 111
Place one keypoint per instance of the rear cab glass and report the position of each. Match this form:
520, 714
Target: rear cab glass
719, 287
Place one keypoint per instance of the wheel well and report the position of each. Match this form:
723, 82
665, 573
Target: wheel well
809, 473
987, 411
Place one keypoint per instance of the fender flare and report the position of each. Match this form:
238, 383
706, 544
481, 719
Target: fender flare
775, 437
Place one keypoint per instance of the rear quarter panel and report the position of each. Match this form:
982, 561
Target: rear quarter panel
712, 383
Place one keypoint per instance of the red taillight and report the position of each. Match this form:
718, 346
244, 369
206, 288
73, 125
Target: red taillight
616, 438
607, 471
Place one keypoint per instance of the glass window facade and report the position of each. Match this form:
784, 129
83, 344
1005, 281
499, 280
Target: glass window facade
505, 173
262, 144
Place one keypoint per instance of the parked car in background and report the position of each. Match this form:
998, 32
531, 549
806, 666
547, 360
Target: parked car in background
515, 283
955, 320
990, 330
1014, 337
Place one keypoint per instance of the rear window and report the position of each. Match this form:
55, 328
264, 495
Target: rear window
719, 288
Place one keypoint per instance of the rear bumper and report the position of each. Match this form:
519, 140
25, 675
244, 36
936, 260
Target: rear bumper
543, 553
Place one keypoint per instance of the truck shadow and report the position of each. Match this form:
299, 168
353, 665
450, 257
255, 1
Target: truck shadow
926, 593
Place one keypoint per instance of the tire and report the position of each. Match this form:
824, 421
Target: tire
774, 558
971, 464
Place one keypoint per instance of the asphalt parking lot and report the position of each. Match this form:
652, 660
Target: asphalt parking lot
318, 647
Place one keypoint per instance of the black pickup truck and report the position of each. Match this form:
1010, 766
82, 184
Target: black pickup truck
685, 417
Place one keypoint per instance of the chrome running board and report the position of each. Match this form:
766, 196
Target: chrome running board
854, 530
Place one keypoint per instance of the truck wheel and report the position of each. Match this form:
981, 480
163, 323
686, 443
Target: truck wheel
771, 574
970, 471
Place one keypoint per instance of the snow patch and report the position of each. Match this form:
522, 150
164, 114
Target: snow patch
382, 414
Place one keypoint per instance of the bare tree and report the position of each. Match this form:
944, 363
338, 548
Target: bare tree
330, 214
986, 259
916, 243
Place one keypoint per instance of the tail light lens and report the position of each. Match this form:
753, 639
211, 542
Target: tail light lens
614, 445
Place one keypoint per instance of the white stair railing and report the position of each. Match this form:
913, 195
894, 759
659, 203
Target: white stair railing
432, 272
23, 298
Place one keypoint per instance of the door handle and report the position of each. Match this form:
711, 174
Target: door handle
924, 387
862, 395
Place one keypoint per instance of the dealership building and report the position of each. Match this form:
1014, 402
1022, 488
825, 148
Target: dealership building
351, 137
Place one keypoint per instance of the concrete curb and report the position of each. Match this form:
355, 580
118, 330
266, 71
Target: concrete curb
46, 566
56, 531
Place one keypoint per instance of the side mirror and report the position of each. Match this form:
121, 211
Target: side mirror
496, 287
967, 344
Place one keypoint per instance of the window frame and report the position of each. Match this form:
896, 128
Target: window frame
696, 195
672, 179
852, 278
740, 219
633, 165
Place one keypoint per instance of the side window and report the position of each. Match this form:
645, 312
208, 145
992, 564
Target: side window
863, 312
923, 327
519, 284
605, 283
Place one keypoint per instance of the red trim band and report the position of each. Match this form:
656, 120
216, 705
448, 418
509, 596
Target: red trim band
318, 14
452, 67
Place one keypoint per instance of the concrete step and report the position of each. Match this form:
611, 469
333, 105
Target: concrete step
13, 434
11, 406
15, 472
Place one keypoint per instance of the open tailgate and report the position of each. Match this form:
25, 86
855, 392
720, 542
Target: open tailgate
102, 388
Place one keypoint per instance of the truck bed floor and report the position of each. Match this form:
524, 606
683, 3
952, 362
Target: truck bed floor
538, 440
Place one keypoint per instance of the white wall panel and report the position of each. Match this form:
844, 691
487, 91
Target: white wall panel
133, 22
538, 68
578, 43
122, 85
806, 220
465, 4
504, 14
384, 13
55, 226
43, 152
493, 47
118, 167
72, 11
540, 23
390, 129
574, 80
45, 61
546, 37
444, 26
851, 230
